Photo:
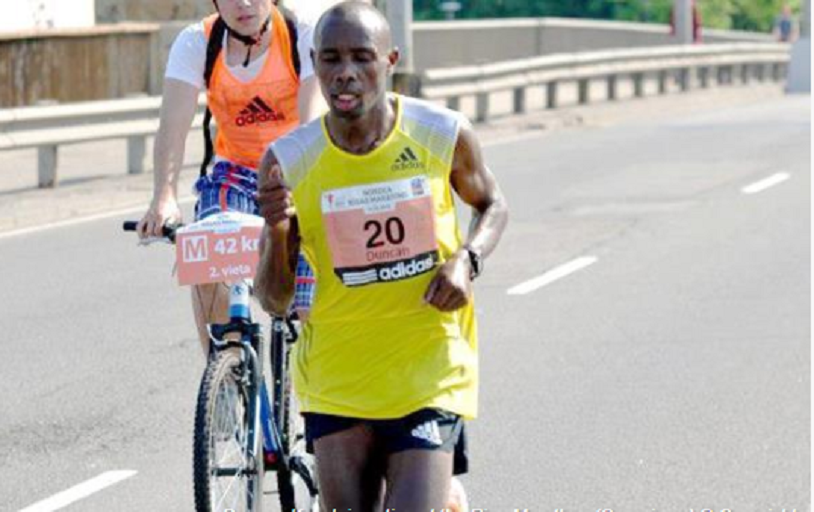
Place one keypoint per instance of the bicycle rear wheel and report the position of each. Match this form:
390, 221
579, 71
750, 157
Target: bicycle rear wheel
227, 454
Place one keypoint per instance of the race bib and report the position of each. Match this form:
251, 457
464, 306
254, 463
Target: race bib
382, 232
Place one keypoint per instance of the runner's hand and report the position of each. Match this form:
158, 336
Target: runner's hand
274, 198
158, 215
451, 287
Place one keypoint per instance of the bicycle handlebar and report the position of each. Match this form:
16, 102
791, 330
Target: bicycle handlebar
167, 231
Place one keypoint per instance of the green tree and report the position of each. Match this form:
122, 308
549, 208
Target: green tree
752, 15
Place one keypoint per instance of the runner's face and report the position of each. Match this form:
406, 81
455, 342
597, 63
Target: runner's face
352, 65
246, 17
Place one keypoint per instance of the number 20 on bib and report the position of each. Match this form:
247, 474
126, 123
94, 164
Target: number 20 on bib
382, 232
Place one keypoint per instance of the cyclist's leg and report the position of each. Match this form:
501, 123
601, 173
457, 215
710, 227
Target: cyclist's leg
350, 468
210, 304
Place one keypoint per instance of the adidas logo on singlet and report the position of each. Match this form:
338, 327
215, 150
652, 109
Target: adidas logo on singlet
429, 432
407, 161
256, 112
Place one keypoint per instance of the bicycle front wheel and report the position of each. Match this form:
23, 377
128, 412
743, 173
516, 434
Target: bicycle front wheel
227, 453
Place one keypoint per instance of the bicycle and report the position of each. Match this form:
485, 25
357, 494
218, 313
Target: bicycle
240, 432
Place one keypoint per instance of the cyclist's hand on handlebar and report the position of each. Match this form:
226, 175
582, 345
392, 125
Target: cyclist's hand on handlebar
274, 198
159, 214
451, 287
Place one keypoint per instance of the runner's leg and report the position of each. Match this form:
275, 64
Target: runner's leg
350, 476
418, 480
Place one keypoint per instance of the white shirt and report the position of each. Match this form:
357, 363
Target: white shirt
188, 56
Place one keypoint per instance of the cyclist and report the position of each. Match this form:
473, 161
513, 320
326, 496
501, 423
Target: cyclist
246, 56
387, 366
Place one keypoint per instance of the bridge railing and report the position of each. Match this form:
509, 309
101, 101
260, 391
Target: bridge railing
46, 128
724, 63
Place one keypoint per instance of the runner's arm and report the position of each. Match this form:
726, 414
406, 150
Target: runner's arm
476, 186
178, 106
279, 243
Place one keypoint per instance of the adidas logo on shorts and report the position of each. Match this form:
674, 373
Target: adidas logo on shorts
429, 432
407, 161
257, 112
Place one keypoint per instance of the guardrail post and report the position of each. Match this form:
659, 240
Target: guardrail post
551, 95
584, 89
776, 72
745, 72
684, 79
720, 75
136, 154
612, 80
703, 76
47, 157
520, 100
761, 72
638, 85
482, 107
663, 75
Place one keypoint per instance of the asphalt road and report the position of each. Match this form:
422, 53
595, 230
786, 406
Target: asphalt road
668, 371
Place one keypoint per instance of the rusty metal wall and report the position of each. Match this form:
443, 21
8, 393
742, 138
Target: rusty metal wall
76, 65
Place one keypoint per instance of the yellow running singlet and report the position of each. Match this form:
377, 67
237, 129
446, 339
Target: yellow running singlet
375, 229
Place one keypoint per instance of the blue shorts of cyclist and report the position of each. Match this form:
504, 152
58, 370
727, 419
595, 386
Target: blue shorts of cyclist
231, 187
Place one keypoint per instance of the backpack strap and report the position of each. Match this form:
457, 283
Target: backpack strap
213, 48
293, 37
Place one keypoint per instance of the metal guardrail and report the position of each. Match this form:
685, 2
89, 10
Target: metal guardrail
50, 126
135, 119
723, 61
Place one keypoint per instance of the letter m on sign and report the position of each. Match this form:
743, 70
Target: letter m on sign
195, 249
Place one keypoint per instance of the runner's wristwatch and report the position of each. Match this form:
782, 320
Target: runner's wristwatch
475, 263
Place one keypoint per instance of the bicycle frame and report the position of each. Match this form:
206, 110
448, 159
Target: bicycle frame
251, 343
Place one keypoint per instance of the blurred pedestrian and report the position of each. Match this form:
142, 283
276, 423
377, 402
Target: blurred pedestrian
785, 26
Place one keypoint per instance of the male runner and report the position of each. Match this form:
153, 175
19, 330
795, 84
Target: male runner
387, 365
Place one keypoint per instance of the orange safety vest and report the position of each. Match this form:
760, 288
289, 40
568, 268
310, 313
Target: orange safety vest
251, 115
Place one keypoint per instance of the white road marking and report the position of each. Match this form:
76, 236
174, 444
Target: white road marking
83, 220
760, 186
80, 491
553, 275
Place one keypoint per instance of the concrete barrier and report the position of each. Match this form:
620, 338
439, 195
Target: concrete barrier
70, 65
723, 63
458, 43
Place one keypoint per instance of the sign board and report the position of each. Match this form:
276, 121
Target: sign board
220, 248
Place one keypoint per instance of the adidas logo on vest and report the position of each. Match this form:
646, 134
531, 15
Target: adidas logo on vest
428, 431
256, 112
407, 161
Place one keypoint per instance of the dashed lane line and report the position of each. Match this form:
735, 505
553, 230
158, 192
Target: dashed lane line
80, 491
760, 186
553, 275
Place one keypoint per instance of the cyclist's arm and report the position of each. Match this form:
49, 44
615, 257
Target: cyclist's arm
279, 243
310, 102
476, 186
178, 106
